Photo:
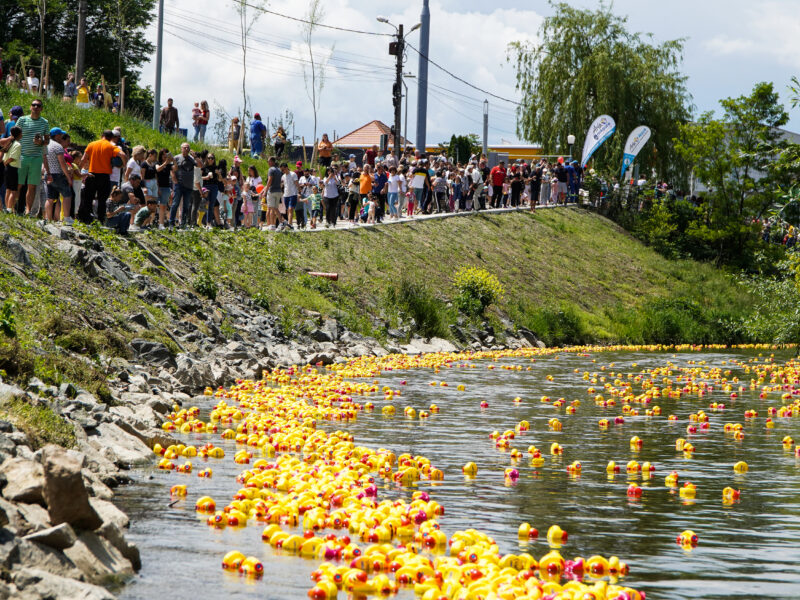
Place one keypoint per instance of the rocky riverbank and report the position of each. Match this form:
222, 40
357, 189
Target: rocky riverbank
62, 536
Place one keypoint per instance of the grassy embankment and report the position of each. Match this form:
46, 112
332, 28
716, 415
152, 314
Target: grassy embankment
86, 124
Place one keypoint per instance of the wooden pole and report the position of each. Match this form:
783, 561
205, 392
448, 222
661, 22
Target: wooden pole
44, 72
103, 88
23, 76
303, 139
122, 95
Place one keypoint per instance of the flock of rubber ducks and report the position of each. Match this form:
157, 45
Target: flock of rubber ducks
316, 493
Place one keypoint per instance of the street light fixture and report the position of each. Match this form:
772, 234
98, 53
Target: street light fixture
382, 20
415, 27
570, 141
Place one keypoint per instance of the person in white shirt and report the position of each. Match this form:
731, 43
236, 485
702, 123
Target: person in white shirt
133, 167
33, 82
289, 182
394, 192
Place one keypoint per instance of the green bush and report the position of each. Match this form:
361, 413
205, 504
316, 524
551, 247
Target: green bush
477, 290
415, 301
8, 321
205, 285
557, 325
677, 321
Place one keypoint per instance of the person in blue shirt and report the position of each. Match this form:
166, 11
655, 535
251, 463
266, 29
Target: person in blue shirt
16, 113
379, 190
575, 180
258, 133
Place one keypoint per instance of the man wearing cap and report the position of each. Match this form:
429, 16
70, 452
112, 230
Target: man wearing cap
16, 113
258, 133
35, 138
61, 184
183, 184
97, 163
168, 120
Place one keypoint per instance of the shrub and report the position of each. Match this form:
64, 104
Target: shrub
38, 422
205, 285
8, 321
557, 325
477, 289
415, 301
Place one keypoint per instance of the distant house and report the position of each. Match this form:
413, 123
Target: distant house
367, 136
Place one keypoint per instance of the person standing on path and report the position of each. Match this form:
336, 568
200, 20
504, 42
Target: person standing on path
169, 118
274, 195
234, 131
380, 190
498, 177
96, 163
35, 139
202, 122
325, 151
331, 197
183, 183
258, 133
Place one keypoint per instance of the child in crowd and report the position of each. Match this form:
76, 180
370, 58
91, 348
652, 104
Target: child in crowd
247, 206
315, 200
371, 205
12, 158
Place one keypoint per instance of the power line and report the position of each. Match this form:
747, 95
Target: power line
270, 41
464, 81
286, 57
272, 70
299, 20
445, 102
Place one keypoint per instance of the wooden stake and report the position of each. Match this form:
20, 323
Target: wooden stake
303, 139
122, 95
45, 83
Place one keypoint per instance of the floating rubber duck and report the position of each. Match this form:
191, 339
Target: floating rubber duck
526, 531
556, 448
556, 535
730, 495
205, 504
178, 490
634, 491
740, 467
636, 443
470, 469
574, 468
687, 537
232, 560
612, 467
689, 490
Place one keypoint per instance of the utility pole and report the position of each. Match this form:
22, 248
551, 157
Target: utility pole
80, 53
397, 48
486, 128
422, 94
160, 43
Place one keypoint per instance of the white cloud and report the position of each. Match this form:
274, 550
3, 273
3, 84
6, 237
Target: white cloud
360, 75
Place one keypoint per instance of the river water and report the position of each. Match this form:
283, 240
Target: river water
749, 549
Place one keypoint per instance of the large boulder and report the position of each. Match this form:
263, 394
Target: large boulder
25, 480
35, 583
119, 446
59, 537
64, 491
191, 373
97, 558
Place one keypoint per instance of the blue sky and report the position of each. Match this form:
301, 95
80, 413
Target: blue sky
730, 46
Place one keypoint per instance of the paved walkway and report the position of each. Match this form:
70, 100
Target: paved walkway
345, 224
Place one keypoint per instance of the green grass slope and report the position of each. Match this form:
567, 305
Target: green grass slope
86, 124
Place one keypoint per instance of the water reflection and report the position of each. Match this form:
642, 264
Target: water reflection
746, 549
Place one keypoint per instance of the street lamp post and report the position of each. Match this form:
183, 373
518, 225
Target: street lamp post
570, 141
405, 125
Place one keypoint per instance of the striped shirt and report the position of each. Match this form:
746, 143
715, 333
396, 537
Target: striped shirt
30, 127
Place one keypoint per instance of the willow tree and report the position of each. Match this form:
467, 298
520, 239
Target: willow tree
588, 63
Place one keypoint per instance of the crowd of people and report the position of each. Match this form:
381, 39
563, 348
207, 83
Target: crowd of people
43, 175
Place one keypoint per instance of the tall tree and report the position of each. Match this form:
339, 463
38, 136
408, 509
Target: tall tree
587, 64
735, 157
247, 20
314, 75
21, 37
